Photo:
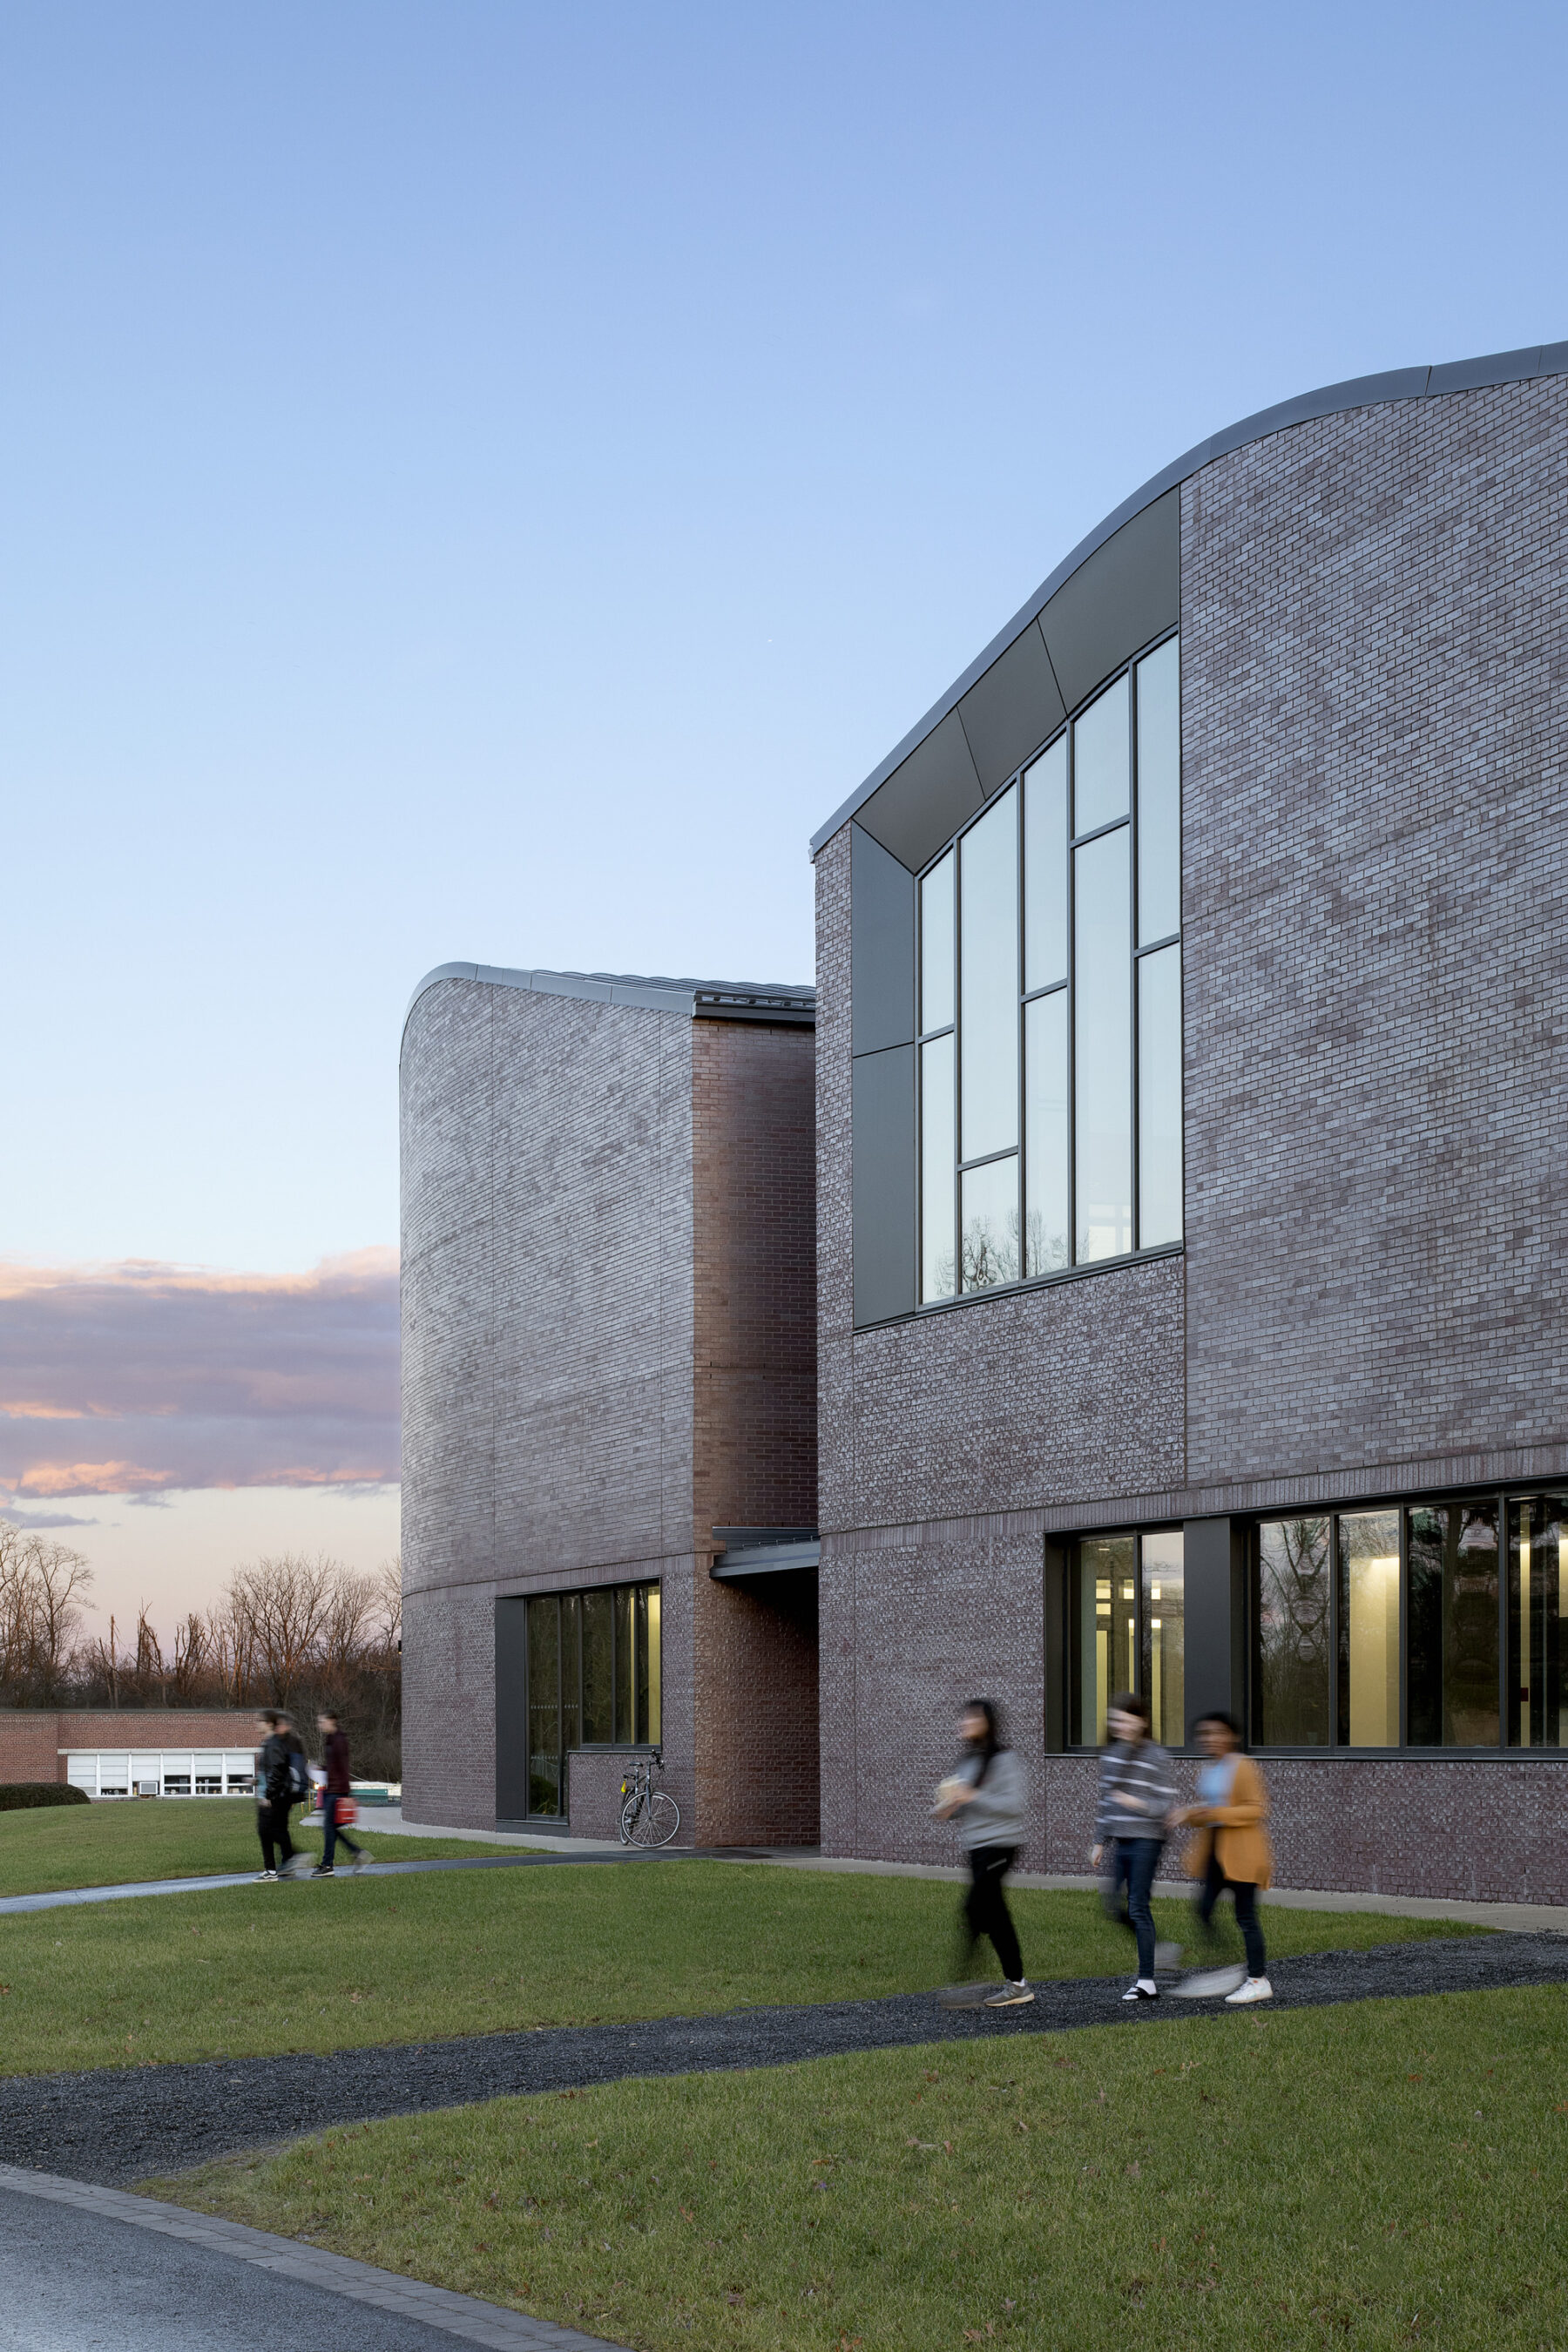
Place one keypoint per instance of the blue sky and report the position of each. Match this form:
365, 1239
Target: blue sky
486, 480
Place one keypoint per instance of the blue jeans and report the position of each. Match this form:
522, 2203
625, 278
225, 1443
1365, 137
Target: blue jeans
1132, 1863
330, 1832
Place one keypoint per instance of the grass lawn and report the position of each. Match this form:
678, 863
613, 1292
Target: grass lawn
107, 1844
1386, 2174
255, 1969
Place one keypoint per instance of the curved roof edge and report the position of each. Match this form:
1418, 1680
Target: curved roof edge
1359, 391
712, 1000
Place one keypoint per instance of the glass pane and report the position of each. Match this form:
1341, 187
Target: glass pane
1045, 1131
991, 1224
1454, 1626
1369, 1629
1106, 1652
543, 1705
1045, 869
639, 1612
1159, 796
938, 1175
1159, 1097
936, 946
571, 1721
1293, 1567
1100, 762
598, 1685
988, 982
1537, 1610
626, 1663
1163, 1618
654, 1667
1102, 1040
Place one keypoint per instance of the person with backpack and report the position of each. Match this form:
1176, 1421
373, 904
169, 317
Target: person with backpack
1137, 1799
281, 1779
985, 1794
337, 1798
1232, 1850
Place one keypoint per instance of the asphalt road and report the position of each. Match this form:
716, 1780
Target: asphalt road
126, 2124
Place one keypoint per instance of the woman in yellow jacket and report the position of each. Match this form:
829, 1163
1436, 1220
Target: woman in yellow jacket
1231, 1849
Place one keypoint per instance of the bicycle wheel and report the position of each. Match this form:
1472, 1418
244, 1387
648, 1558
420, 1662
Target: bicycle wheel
629, 1812
658, 1822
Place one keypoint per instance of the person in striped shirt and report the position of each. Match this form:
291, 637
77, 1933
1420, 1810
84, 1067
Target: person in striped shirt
1137, 1801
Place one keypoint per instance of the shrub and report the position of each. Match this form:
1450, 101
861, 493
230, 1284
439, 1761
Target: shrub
16, 1795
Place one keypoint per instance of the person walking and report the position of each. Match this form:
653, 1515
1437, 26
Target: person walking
1137, 1797
985, 1795
1232, 1850
280, 1770
337, 1798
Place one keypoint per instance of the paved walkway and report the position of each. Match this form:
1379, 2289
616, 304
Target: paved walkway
88, 2267
64, 1896
123, 2124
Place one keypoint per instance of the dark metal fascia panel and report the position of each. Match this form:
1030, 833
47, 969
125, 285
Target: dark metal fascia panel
1359, 391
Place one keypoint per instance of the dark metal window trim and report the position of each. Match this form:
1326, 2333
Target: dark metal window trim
632, 1584
1070, 1589
1076, 1269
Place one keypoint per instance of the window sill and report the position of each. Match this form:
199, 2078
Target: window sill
1035, 1281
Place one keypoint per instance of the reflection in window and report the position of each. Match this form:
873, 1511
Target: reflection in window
1099, 763
990, 1224
1107, 1646
1045, 1131
1102, 1048
1537, 1613
1292, 1619
1454, 1592
1046, 870
1369, 1629
1159, 1097
1159, 796
593, 1678
988, 982
1161, 1679
938, 1176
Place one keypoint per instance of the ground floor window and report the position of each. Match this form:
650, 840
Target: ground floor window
1125, 1599
593, 1680
1434, 1625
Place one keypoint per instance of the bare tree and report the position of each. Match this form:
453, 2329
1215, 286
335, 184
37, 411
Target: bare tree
42, 1586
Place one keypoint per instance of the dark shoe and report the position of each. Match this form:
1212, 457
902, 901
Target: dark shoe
323, 1870
1010, 1996
263, 1875
1141, 1991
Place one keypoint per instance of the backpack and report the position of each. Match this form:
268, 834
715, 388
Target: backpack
299, 1775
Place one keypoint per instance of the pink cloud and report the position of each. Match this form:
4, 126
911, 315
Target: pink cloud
194, 1377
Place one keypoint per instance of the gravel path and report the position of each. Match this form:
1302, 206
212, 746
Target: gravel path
121, 2124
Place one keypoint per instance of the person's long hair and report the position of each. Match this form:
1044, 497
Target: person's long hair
991, 1743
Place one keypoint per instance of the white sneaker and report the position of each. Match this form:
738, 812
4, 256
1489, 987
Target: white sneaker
1209, 1984
1252, 1988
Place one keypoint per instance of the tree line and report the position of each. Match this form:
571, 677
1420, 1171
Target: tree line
287, 1631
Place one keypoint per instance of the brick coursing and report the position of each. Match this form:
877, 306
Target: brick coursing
1374, 649
608, 1341
31, 1741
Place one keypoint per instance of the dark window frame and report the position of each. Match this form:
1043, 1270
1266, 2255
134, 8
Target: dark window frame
1072, 1589
1076, 1270
635, 1587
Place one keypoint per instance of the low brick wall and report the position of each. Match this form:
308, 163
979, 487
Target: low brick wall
594, 1788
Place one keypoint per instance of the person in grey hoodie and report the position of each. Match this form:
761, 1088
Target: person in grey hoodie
1136, 1807
984, 1795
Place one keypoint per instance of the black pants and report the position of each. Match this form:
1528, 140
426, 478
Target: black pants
1209, 1892
272, 1821
986, 1911
332, 1832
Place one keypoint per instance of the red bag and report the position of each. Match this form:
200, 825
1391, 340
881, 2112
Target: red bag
348, 1812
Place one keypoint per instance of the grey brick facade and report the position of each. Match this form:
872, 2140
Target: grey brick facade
1373, 613
608, 1346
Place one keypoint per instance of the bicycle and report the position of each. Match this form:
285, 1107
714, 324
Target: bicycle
649, 1816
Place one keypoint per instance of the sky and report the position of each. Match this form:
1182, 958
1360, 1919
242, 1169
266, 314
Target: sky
485, 481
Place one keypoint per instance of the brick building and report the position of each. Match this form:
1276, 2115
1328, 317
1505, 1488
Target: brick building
1190, 1129
609, 1400
1190, 1207
174, 1751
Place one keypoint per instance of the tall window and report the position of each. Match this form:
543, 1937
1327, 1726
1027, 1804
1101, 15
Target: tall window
1433, 1626
1126, 1595
592, 1681
1051, 1004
